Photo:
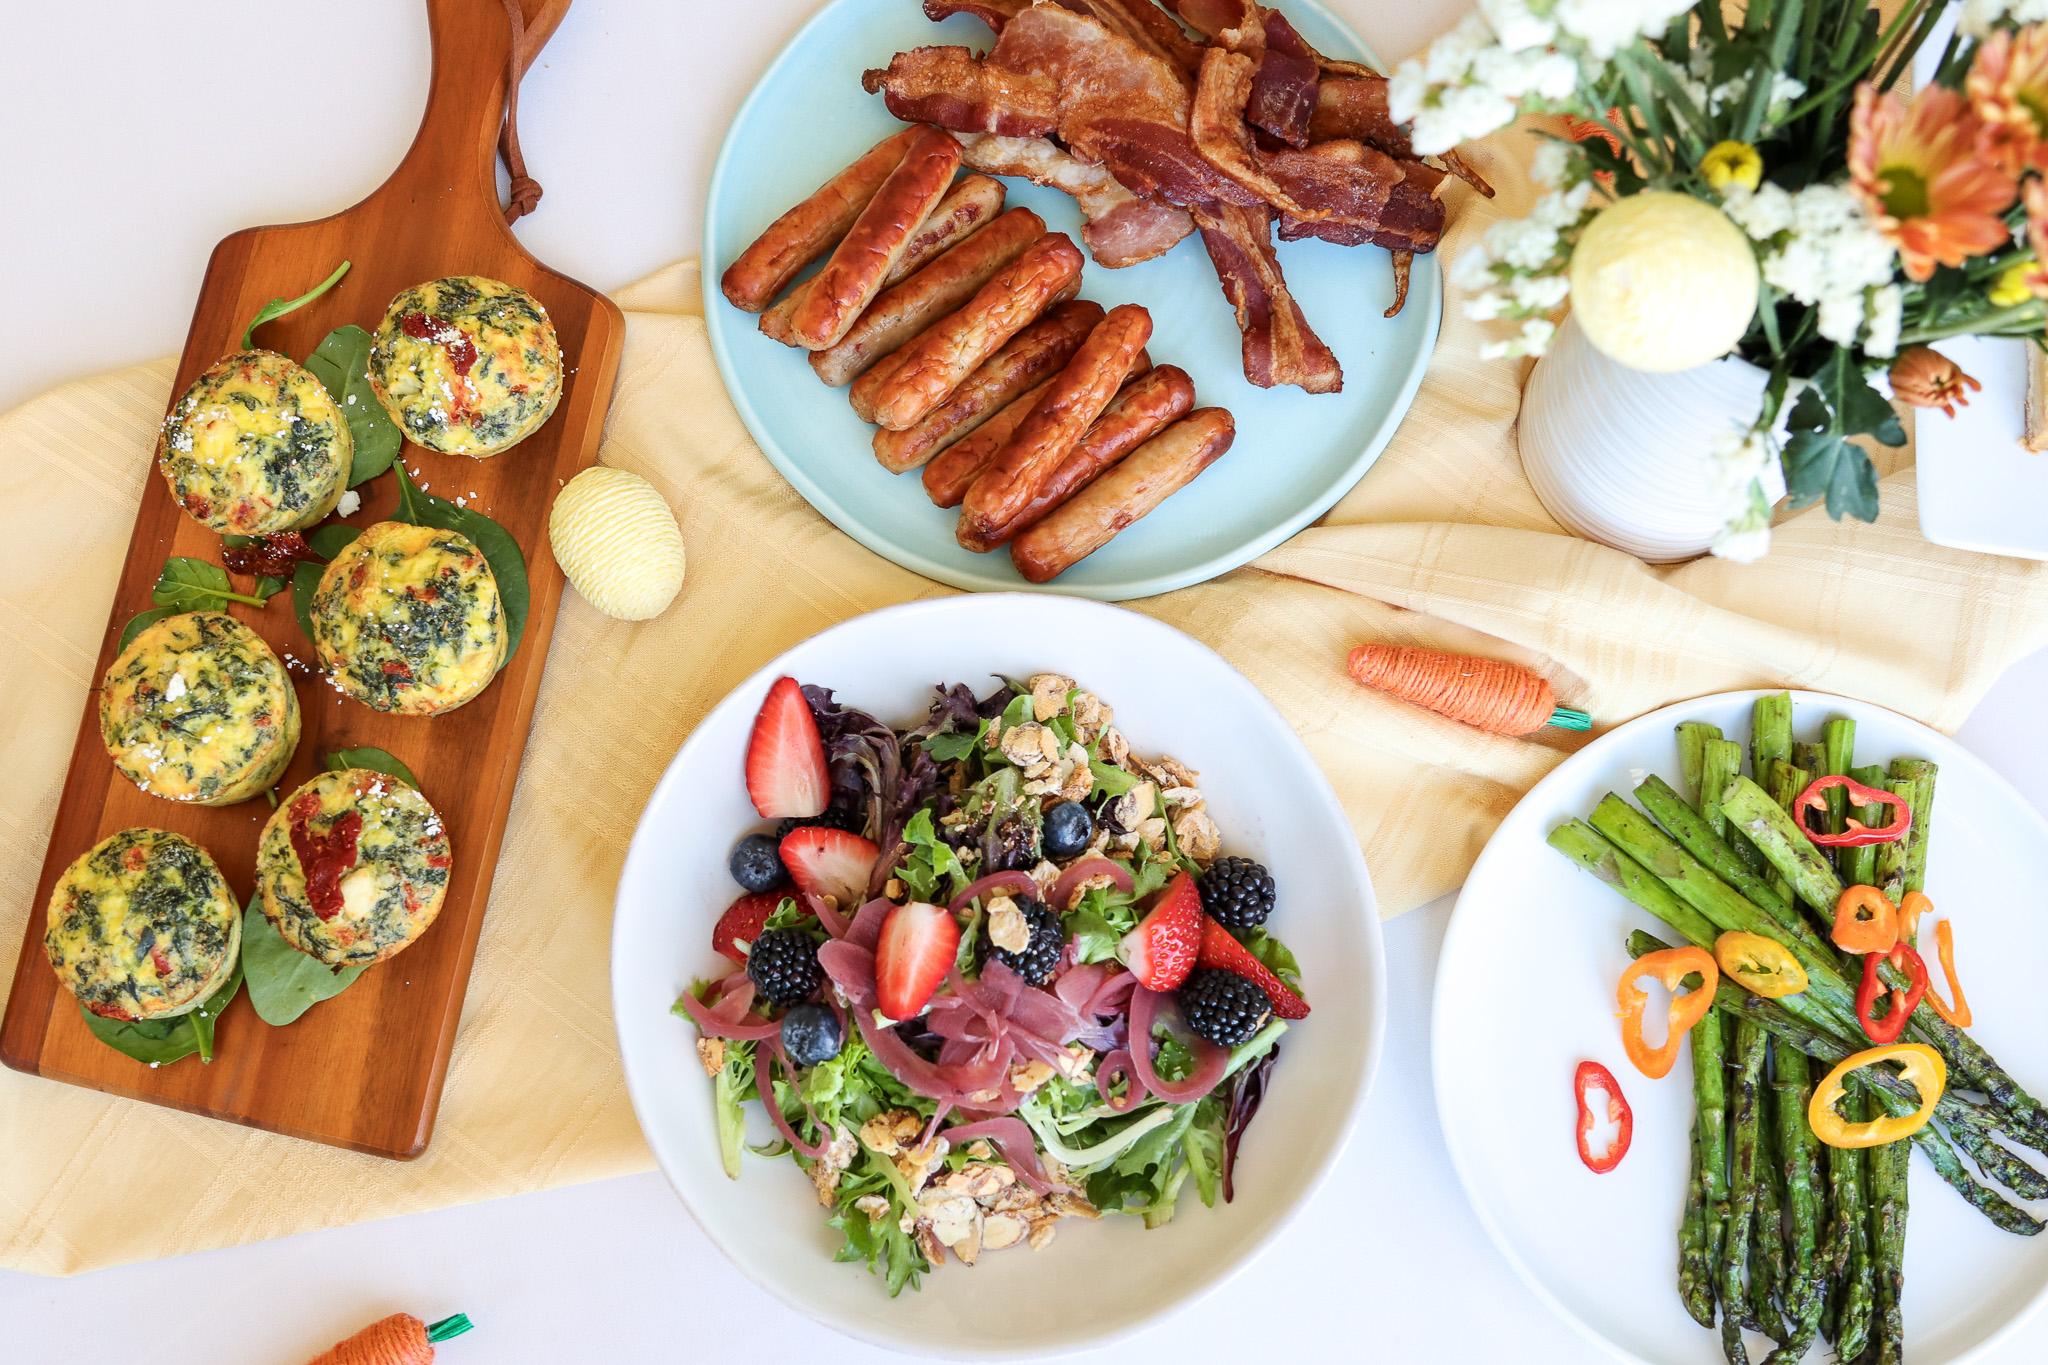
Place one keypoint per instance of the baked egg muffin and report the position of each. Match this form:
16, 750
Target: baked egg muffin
143, 926
256, 445
467, 365
407, 619
198, 708
353, 867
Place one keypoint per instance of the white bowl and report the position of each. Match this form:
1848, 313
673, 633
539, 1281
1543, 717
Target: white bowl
1171, 696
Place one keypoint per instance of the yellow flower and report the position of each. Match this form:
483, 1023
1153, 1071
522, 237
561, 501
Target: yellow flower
2011, 288
1732, 163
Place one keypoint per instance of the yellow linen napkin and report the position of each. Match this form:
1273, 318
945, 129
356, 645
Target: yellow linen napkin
1442, 544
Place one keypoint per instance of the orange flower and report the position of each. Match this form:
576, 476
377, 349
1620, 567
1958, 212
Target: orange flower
2008, 87
1926, 378
1917, 170
1583, 129
2035, 197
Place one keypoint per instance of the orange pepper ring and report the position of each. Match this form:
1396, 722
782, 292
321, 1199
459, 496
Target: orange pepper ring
1912, 906
1945, 941
1866, 921
1669, 967
1920, 1066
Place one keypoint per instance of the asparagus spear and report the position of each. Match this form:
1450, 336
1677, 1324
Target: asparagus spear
1720, 764
1770, 741
1708, 1211
1692, 752
1888, 1246
1805, 1275
1697, 837
1859, 865
1891, 857
1811, 757
1742, 1186
1919, 775
1695, 1264
1852, 1329
1767, 1267
1838, 742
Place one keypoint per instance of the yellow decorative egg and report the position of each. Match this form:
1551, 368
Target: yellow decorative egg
407, 619
1662, 281
255, 445
197, 708
466, 365
143, 926
615, 538
353, 867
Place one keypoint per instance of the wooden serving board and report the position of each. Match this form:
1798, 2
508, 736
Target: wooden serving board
363, 1070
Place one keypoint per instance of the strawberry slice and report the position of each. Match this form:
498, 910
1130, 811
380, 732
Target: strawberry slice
741, 923
1161, 951
916, 950
785, 758
830, 862
1219, 949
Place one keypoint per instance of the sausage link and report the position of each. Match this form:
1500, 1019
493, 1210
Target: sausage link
1140, 482
941, 287
953, 471
854, 274
968, 207
804, 233
1034, 354
1147, 404
935, 362
1078, 396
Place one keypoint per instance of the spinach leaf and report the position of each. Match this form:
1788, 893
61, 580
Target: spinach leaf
159, 1042
341, 362
376, 760
1110, 780
326, 541
140, 622
283, 982
277, 308
500, 550
951, 746
189, 584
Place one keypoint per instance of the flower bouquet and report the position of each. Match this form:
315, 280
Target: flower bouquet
1760, 186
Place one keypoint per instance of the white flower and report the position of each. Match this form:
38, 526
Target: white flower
1746, 546
1882, 320
1486, 305
1552, 75
1763, 212
1979, 15
1539, 293
1549, 165
1607, 26
1841, 317
1516, 24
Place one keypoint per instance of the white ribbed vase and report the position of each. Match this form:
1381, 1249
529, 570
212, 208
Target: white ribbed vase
1628, 458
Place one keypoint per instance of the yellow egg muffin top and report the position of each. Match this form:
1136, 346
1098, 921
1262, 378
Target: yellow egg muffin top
142, 925
255, 445
353, 867
407, 619
467, 365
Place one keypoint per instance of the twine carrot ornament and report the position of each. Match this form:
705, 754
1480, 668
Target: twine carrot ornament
1489, 694
400, 1339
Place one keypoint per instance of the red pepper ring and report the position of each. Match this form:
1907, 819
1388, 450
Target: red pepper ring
1589, 1077
1855, 834
1874, 990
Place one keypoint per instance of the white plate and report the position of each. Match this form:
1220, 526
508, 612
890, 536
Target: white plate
1525, 991
1171, 696
1980, 489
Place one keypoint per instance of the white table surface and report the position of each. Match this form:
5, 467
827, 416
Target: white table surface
105, 229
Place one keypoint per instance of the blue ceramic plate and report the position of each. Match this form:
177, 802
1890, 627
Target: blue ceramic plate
1295, 454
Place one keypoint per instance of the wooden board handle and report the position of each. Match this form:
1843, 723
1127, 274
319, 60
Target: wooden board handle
481, 47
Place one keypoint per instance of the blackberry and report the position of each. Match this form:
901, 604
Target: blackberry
1223, 1007
1041, 956
1237, 893
784, 966
852, 819
756, 863
810, 1035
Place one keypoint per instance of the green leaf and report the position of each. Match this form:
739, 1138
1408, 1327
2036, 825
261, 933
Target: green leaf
1110, 780
376, 760
1018, 711
1859, 409
341, 362
500, 550
189, 584
159, 1042
283, 982
950, 747
140, 622
277, 308
326, 541
1276, 956
1823, 465
931, 868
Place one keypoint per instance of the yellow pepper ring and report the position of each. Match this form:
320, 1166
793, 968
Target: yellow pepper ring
1919, 1066
1762, 965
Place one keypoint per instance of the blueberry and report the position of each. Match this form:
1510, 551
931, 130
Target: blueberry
810, 1035
756, 864
1068, 828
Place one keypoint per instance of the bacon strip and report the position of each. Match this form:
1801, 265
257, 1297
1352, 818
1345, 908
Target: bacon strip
1279, 347
1366, 197
1221, 136
994, 13
1284, 92
953, 88
1122, 228
1147, 26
